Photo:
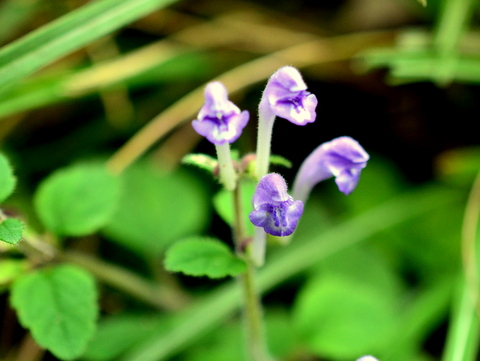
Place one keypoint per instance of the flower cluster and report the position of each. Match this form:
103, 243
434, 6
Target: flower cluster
285, 96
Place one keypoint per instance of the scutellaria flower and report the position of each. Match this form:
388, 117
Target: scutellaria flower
287, 96
342, 158
219, 120
274, 209
284, 96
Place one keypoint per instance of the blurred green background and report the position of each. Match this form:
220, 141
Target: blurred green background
379, 272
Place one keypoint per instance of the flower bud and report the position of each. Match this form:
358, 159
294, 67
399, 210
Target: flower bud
219, 120
274, 209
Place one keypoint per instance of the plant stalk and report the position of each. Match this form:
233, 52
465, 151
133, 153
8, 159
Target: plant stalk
252, 308
225, 164
253, 317
264, 138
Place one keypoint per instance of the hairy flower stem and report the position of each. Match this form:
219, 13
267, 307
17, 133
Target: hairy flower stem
252, 309
225, 165
255, 335
257, 250
264, 138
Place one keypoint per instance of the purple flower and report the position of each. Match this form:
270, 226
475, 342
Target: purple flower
342, 158
287, 96
219, 120
274, 210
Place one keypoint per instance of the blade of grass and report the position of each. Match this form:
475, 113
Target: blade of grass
69, 33
454, 19
462, 338
44, 90
14, 14
210, 311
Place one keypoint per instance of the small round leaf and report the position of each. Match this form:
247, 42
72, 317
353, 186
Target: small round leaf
77, 200
157, 209
59, 306
203, 257
338, 318
11, 230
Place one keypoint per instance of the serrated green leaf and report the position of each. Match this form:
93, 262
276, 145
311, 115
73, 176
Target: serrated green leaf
7, 179
203, 257
77, 200
157, 208
11, 230
59, 307
339, 318
223, 203
202, 161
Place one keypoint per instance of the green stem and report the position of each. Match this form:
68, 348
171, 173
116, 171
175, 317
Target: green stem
253, 317
258, 247
239, 235
462, 338
130, 283
455, 17
264, 138
225, 165
252, 309
469, 237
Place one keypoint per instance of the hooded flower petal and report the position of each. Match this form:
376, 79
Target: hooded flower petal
274, 209
219, 120
342, 158
288, 98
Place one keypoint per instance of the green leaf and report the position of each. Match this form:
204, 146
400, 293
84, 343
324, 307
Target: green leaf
11, 230
157, 208
223, 343
223, 204
364, 265
306, 251
203, 257
281, 161
202, 161
7, 179
69, 33
77, 200
338, 318
10, 269
114, 335
59, 307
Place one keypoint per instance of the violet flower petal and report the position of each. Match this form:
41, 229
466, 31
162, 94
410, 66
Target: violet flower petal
287, 96
219, 120
342, 158
274, 209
